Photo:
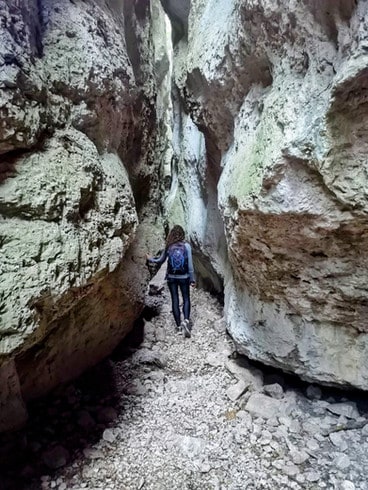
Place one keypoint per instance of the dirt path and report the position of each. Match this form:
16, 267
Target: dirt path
185, 414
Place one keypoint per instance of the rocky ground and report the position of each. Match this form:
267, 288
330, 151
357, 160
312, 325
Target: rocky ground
177, 413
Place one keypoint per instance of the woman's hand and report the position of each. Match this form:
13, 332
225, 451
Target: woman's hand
193, 284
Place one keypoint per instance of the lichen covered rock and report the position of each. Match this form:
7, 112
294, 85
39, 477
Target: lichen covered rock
76, 92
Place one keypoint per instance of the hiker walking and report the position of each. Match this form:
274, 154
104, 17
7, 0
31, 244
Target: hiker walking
179, 274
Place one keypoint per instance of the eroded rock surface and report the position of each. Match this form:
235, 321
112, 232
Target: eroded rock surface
76, 171
278, 91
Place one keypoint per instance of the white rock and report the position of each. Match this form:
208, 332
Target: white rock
347, 485
312, 445
264, 406
92, 453
237, 390
348, 409
190, 446
290, 469
243, 373
338, 440
342, 461
275, 390
312, 476
220, 325
299, 456
108, 435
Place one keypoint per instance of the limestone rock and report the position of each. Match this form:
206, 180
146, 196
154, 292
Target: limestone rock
237, 390
108, 435
278, 92
76, 85
274, 390
347, 409
241, 369
264, 406
342, 461
338, 441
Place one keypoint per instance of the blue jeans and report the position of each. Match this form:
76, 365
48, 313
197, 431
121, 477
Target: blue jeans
174, 285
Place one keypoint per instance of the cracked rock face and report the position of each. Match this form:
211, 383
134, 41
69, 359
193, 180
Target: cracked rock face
76, 120
279, 92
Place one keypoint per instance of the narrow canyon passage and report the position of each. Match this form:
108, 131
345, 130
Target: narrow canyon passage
176, 413
244, 122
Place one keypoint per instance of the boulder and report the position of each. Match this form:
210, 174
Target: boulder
77, 128
278, 94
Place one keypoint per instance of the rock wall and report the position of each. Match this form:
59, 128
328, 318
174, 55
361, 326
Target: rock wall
278, 91
77, 174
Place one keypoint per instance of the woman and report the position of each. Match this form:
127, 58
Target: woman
179, 274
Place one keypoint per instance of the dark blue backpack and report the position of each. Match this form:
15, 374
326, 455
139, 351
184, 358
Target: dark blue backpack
177, 256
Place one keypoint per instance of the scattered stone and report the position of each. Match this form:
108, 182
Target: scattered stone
55, 457
312, 446
293, 425
92, 453
347, 485
347, 409
338, 440
150, 356
237, 390
205, 467
245, 417
160, 335
290, 469
341, 461
264, 406
220, 325
312, 476
215, 359
183, 424
365, 430
243, 372
275, 390
314, 392
108, 435
191, 447
299, 456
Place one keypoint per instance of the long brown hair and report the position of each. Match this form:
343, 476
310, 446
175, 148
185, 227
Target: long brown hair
176, 234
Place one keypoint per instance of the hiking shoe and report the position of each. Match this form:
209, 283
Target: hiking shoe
186, 328
178, 328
